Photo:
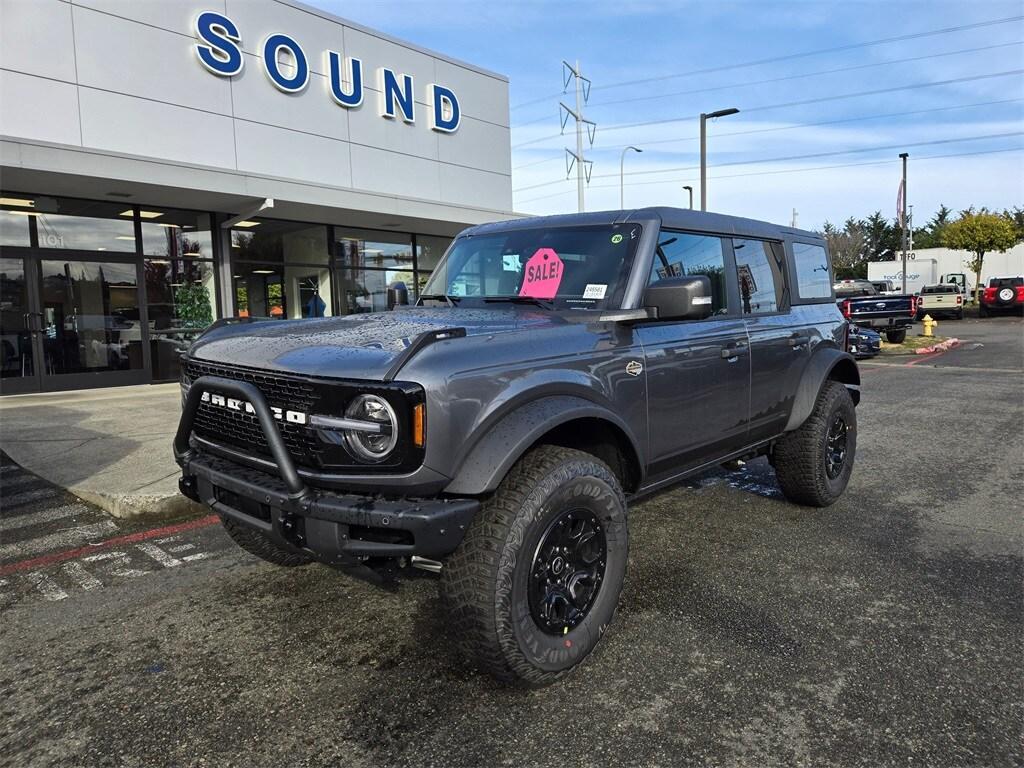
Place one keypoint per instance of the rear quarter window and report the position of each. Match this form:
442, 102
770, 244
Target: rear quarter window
813, 277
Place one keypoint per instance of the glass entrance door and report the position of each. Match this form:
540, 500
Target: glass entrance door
18, 352
91, 326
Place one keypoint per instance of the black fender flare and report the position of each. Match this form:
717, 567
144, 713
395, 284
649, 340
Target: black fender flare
826, 363
493, 455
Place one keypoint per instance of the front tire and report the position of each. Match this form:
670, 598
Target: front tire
255, 543
896, 337
535, 583
813, 463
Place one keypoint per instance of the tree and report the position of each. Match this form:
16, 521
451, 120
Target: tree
880, 237
1016, 217
930, 235
979, 233
847, 246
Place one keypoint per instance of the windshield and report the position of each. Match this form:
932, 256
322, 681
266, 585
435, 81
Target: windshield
583, 267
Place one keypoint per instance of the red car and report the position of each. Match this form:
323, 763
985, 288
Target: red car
1003, 294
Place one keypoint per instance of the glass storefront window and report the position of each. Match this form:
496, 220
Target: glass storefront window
15, 212
90, 317
85, 225
282, 293
181, 300
362, 248
366, 290
429, 250
280, 242
171, 234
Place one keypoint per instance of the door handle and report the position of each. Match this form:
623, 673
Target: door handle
798, 340
733, 351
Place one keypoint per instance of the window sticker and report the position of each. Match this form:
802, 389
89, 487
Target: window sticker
542, 275
594, 291
616, 239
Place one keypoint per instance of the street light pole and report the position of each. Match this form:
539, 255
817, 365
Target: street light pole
903, 216
622, 165
690, 190
704, 117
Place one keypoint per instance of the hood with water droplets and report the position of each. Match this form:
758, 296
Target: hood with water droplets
356, 346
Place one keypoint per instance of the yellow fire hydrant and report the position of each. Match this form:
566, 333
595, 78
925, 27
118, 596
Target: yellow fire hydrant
928, 324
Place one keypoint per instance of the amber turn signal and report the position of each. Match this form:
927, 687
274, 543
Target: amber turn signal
418, 425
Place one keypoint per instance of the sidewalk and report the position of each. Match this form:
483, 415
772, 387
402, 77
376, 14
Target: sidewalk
110, 447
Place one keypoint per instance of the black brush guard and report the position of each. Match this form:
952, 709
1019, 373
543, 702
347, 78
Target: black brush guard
337, 529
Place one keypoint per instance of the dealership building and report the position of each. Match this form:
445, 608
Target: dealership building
169, 162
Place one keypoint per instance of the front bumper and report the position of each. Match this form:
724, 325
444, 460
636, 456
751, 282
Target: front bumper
336, 528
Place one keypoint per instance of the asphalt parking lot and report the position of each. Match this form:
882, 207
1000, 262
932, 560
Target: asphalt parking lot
884, 630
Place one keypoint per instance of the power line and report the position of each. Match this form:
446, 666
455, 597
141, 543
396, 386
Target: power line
802, 102
799, 76
917, 158
798, 157
792, 56
795, 126
535, 162
837, 97
860, 118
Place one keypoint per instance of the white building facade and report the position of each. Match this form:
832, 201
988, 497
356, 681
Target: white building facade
168, 162
928, 266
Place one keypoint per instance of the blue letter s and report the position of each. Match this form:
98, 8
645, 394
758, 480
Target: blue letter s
221, 54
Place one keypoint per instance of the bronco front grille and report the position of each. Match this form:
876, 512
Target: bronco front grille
242, 430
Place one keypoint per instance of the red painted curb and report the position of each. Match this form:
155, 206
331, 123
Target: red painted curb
128, 538
942, 346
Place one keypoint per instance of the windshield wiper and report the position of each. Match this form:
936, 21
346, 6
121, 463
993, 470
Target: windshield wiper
542, 303
450, 300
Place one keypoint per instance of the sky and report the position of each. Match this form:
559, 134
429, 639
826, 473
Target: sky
819, 129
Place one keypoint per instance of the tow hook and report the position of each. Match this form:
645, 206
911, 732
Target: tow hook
288, 523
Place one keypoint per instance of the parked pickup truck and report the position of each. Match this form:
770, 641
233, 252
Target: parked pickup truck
552, 370
942, 299
862, 305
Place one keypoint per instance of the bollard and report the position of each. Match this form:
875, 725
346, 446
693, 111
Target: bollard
928, 324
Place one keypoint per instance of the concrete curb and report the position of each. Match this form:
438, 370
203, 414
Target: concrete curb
141, 506
940, 347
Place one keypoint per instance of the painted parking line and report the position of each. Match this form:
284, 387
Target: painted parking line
26, 496
68, 537
117, 541
46, 516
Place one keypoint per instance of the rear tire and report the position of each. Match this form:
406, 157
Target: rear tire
256, 543
503, 587
896, 337
808, 463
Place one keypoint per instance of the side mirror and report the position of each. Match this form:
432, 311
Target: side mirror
680, 298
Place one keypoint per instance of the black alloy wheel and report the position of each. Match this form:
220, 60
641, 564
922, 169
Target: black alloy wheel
835, 446
567, 571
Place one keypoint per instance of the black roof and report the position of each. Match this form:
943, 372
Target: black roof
674, 218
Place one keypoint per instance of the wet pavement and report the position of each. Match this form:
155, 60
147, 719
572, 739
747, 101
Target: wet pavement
884, 630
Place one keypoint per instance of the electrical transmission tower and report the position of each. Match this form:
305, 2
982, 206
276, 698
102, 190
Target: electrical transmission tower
577, 158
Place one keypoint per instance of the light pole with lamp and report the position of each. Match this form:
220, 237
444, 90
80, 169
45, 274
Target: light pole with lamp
704, 117
622, 165
690, 190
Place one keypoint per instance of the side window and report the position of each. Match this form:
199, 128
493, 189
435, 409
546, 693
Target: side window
680, 254
761, 280
812, 280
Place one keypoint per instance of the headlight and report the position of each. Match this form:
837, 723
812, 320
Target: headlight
372, 446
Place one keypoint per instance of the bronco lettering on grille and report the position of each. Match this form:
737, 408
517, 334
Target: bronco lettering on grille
234, 404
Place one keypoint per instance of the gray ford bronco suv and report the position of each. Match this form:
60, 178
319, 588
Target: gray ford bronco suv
552, 370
